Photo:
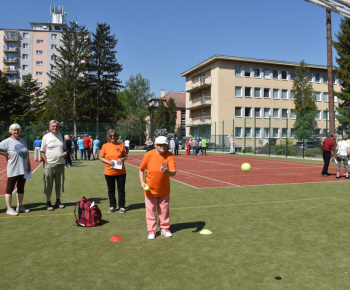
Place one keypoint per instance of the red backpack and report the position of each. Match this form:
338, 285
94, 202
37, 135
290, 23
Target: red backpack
89, 215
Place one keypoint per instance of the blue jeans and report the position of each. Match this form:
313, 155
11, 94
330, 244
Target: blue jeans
194, 150
81, 154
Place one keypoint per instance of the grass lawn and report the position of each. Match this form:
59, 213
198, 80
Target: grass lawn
263, 237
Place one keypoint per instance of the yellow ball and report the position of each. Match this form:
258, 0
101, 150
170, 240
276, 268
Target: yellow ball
246, 167
146, 187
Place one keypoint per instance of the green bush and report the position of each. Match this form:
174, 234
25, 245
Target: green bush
247, 150
309, 154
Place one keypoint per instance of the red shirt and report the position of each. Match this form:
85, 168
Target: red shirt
86, 142
328, 144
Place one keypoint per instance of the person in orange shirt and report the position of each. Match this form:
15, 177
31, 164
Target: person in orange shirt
160, 164
113, 155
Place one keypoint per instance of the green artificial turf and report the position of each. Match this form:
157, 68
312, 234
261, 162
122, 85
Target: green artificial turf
263, 237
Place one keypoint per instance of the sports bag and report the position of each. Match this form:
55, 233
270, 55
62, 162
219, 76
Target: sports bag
89, 215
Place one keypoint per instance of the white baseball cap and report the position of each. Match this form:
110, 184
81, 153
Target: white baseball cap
161, 140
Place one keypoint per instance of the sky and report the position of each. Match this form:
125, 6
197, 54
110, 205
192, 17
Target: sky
161, 39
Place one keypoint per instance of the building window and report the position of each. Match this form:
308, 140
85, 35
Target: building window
238, 132
334, 80
284, 132
325, 97
257, 72
238, 91
25, 45
266, 93
275, 113
284, 75
238, 111
39, 73
257, 132
257, 93
248, 92
318, 96
284, 94
25, 35
24, 78
39, 84
292, 133
325, 79
53, 36
325, 115
24, 56
284, 113
276, 94
39, 63
248, 112
317, 78
275, 74
238, 71
292, 114
247, 72
292, 75
53, 57
275, 133
24, 67
257, 112
39, 41
248, 132
292, 95
266, 132
53, 46
39, 52
318, 115
310, 78
266, 113
53, 68
266, 73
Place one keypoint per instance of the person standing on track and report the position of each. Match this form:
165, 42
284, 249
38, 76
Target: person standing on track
343, 150
160, 165
16, 152
36, 148
328, 153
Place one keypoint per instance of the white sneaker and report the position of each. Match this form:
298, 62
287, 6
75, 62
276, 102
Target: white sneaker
22, 209
11, 211
151, 235
122, 210
166, 232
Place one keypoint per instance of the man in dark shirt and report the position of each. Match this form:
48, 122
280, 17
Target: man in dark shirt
328, 153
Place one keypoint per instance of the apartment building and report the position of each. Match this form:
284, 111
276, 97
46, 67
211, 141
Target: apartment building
32, 50
249, 98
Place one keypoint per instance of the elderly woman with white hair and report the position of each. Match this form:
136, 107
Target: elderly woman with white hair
16, 152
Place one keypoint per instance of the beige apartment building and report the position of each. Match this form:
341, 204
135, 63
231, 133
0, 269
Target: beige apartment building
250, 99
32, 50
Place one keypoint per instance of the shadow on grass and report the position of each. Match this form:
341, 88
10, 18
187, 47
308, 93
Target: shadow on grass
135, 206
197, 225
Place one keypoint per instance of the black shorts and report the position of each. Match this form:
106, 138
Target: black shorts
11, 182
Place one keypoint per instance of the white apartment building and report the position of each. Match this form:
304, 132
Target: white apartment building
32, 51
251, 99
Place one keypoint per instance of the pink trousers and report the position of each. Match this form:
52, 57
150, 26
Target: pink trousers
154, 204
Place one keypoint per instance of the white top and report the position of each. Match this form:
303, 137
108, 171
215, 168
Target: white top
18, 153
126, 143
53, 146
343, 147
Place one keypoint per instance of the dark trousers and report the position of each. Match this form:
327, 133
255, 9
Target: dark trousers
326, 159
111, 190
86, 151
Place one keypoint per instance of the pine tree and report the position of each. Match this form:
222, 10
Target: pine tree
67, 95
171, 113
104, 69
8, 93
305, 103
160, 118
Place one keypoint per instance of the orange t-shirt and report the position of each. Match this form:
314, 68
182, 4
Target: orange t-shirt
158, 182
112, 151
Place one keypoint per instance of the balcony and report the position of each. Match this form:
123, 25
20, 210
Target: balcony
200, 120
200, 84
204, 101
13, 82
10, 70
10, 37
10, 60
10, 49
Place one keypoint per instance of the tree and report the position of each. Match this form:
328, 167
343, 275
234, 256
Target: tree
305, 103
104, 69
343, 72
8, 93
172, 113
68, 92
160, 117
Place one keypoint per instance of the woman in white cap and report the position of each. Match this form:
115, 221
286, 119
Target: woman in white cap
160, 164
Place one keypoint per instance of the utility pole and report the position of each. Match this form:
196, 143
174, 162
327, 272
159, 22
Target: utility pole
330, 73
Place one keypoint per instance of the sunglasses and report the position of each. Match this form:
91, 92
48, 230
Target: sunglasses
112, 135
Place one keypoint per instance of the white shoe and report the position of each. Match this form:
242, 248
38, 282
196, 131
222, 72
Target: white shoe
151, 235
11, 211
166, 232
22, 209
